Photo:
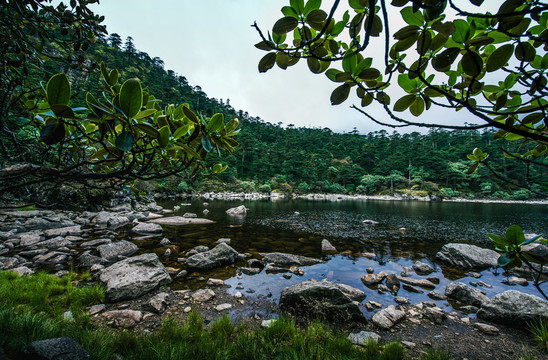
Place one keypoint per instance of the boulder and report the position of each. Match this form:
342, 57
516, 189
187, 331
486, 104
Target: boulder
147, 228
239, 210
286, 260
113, 250
64, 231
465, 294
63, 348
158, 303
514, 308
110, 219
86, 261
363, 337
372, 279
467, 257
388, 317
55, 243
351, 292
179, 220
327, 247
324, 299
134, 277
422, 268
220, 255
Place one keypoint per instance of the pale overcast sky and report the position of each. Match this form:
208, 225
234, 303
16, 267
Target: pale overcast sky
210, 42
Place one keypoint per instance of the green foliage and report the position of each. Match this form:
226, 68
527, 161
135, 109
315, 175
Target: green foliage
539, 331
248, 186
492, 66
513, 255
436, 353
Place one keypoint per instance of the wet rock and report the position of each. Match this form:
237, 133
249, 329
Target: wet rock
125, 319
417, 282
287, 276
270, 268
63, 348
411, 288
223, 240
165, 242
486, 329
465, 294
286, 260
434, 314
203, 295
351, 292
372, 279
370, 270
433, 279
147, 228
327, 247
370, 222
473, 274
466, 256
64, 231
514, 308
255, 263
388, 317
158, 303
220, 255
369, 255
167, 253
393, 283
95, 243
110, 219
223, 307
518, 281
113, 250
436, 295
401, 300
250, 271
215, 282
240, 210
86, 261
190, 215
363, 337
422, 268
134, 277
180, 220
325, 299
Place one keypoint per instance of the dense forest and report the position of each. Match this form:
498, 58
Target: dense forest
272, 157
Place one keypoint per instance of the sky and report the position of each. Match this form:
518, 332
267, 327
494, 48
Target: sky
211, 43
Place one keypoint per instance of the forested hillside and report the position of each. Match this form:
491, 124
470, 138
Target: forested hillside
271, 157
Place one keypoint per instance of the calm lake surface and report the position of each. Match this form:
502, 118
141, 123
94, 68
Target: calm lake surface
407, 231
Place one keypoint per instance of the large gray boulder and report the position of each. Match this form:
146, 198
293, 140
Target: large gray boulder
514, 308
220, 255
113, 250
286, 260
239, 210
147, 228
465, 294
63, 348
323, 299
467, 257
133, 277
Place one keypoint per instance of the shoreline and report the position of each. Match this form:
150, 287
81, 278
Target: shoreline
274, 196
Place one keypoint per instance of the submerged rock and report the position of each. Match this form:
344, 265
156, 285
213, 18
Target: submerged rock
239, 210
467, 257
179, 220
286, 260
320, 299
465, 294
134, 277
220, 255
514, 308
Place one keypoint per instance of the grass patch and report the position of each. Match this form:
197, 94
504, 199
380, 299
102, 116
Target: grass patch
437, 354
539, 329
32, 307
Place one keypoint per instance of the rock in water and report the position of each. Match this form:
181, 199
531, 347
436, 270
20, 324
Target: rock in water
63, 348
467, 257
422, 268
465, 294
220, 255
514, 308
147, 228
327, 247
286, 260
134, 277
113, 250
240, 210
320, 299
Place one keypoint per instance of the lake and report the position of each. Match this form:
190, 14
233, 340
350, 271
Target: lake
407, 231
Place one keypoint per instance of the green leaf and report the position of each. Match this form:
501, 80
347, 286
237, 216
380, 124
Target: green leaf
514, 235
407, 84
404, 102
311, 5
53, 132
350, 62
113, 77
282, 60
148, 129
267, 62
265, 45
58, 90
443, 61
505, 259
285, 25
369, 74
472, 63
314, 65
316, 16
472, 168
125, 141
63, 111
131, 97
412, 17
181, 131
190, 115
206, 144
499, 57
298, 5
462, 31
289, 11
191, 151
215, 123
163, 138
331, 73
498, 240
340, 94
525, 52
232, 125
145, 113
417, 107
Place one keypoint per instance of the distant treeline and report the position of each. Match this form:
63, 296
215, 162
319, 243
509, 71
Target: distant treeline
298, 159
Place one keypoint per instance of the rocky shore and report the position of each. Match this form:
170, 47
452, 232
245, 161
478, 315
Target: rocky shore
138, 295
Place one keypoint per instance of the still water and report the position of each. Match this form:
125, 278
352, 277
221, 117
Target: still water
407, 231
